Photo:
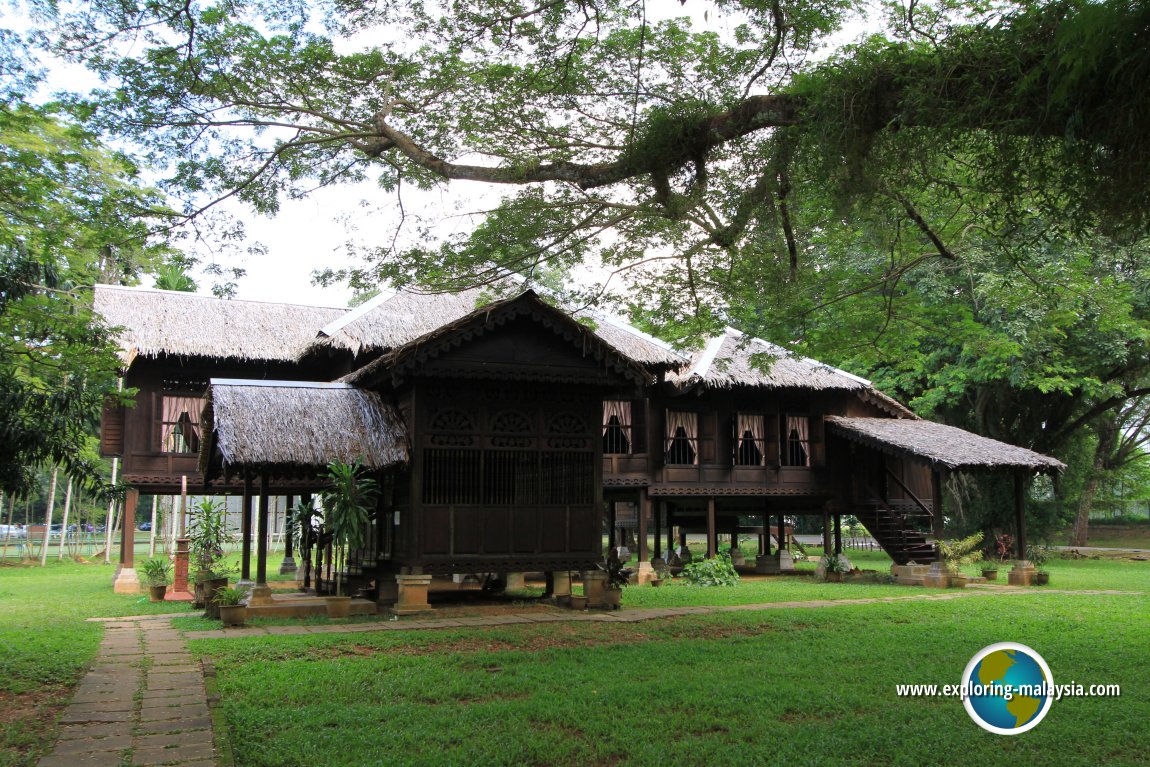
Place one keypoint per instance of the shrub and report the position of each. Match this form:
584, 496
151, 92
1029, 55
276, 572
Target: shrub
712, 572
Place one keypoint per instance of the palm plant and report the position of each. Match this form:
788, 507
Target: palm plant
347, 502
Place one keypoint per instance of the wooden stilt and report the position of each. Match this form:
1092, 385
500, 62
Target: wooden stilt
712, 534
246, 532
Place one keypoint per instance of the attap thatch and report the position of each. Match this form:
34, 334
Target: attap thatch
390, 322
734, 359
299, 424
940, 445
156, 322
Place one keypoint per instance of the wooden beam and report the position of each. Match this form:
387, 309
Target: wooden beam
262, 542
712, 535
246, 531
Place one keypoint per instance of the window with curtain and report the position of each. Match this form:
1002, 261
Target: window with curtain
796, 441
616, 426
180, 424
682, 437
750, 440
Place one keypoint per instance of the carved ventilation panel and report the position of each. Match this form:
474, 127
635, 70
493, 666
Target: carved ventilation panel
511, 428
567, 431
452, 428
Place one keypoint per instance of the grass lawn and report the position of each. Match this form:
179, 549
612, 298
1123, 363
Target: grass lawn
46, 645
793, 686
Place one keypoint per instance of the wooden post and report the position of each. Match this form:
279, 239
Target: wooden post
826, 531
658, 530
1020, 512
712, 534
643, 507
128, 530
838, 533
937, 522
765, 538
611, 522
784, 544
246, 532
262, 541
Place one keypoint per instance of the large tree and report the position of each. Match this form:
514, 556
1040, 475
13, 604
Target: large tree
628, 140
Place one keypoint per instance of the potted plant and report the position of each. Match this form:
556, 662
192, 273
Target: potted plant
158, 574
207, 536
833, 568
959, 553
618, 577
990, 570
1039, 556
347, 502
233, 611
662, 574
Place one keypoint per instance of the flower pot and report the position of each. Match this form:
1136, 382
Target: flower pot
233, 615
834, 577
156, 593
211, 603
578, 603
1041, 578
990, 575
338, 607
612, 598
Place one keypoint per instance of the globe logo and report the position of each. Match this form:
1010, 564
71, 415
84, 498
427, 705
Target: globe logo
1013, 686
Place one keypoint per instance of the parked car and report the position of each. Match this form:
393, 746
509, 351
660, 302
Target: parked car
13, 532
145, 526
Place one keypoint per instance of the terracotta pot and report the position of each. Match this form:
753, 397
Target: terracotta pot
156, 593
834, 577
990, 575
338, 607
233, 615
1041, 578
578, 603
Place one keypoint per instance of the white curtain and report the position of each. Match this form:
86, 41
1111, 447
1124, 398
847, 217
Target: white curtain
181, 424
798, 429
756, 425
621, 411
689, 423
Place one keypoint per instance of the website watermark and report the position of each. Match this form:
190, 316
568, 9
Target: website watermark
1007, 688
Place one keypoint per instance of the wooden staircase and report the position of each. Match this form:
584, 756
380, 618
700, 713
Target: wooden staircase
899, 528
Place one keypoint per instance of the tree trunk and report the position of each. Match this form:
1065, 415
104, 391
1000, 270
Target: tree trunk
48, 516
64, 524
1107, 437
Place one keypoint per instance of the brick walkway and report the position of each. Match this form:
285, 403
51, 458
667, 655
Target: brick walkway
142, 703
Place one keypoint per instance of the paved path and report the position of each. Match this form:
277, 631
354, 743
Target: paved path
622, 616
142, 703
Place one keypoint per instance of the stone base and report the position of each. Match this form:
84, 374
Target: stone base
560, 584
737, 558
1022, 574
644, 573
909, 575
288, 566
767, 564
412, 595
936, 577
127, 582
260, 595
786, 561
594, 583
516, 581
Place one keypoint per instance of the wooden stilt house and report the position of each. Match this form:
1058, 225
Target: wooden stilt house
511, 435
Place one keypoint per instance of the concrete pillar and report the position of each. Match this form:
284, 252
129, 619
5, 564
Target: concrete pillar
560, 584
594, 584
516, 581
412, 594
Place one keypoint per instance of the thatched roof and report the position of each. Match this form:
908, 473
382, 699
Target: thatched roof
736, 359
390, 322
489, 316
940, 445
156, 322
299, 424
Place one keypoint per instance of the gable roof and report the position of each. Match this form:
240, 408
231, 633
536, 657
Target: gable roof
486, 318
387, 323
940, 445
157, 322
736, 359
298, 424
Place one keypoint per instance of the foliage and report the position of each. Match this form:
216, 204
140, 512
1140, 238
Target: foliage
718, 571
348, 503
157, 571
208, 533
230, 596
957, 554
618, 576
1039, 556
834, 563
